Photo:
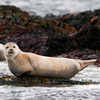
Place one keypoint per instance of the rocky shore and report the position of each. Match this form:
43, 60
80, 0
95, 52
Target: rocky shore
70, 34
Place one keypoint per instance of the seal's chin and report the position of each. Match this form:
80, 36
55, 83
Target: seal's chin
10, 53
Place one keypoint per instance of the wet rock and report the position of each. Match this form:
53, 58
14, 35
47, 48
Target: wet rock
88, 28
52, 35
52, 82
80, 54
33, 33
18, 26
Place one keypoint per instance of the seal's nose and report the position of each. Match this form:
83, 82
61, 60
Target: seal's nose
10, 49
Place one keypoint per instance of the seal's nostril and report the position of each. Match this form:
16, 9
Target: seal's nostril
11, 49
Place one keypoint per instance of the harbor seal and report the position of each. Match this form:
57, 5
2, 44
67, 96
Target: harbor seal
25, 63
2, 49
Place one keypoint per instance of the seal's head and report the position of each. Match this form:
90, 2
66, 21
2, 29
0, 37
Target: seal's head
11, 50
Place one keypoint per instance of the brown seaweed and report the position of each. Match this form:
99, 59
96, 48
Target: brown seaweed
51, 35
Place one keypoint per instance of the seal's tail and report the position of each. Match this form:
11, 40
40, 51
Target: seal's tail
85, 63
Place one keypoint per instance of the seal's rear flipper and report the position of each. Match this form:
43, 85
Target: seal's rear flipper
85, 63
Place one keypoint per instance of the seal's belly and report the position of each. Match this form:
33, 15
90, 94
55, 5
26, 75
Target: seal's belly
56, 68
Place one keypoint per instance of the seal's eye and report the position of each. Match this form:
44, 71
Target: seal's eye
14, 47
7, 47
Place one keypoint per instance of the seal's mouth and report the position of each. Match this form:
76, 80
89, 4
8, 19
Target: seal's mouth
10, 52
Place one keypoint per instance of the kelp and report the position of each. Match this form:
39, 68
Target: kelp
51, 35
41, 81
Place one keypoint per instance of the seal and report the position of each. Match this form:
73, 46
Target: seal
2, 50
25, 63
